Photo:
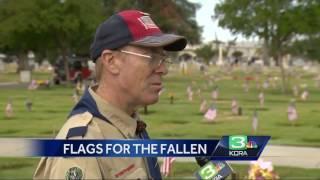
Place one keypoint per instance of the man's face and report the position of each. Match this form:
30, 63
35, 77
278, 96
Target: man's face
141, 74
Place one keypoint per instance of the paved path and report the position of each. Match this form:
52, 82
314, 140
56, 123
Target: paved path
303, 157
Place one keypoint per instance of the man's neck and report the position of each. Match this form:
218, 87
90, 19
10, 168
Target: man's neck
115, 99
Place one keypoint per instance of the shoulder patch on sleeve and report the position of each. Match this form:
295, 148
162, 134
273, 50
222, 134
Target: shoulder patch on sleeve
77, 125
74, 173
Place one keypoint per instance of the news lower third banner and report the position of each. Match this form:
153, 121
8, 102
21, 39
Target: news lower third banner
236, 147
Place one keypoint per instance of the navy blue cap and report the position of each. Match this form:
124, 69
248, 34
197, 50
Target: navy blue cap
136, 28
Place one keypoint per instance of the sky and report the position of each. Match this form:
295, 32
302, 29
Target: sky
211, 27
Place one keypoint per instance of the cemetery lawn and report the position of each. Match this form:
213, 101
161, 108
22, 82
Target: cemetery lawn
14, 77
23, 168
181, 119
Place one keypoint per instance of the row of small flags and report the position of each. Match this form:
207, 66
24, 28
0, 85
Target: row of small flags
9, 107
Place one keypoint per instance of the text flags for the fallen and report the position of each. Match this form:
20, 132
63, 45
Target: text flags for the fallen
261, 99
255, 122
166, 167
211, 114
292, 113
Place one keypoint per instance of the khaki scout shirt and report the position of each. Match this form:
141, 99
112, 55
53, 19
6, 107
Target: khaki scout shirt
122, 127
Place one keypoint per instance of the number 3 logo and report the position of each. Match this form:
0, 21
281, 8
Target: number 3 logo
208, 171
237, 142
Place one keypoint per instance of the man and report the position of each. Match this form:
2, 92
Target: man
128, 50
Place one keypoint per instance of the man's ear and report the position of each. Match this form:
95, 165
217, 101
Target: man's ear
110, 62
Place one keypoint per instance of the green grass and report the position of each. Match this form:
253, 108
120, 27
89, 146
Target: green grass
15, 77
179, 120
23, 168
17, 168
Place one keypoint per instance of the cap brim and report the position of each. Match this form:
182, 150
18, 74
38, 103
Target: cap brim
169, 42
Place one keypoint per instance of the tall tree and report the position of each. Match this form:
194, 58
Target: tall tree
206, 52
308, 44
274, 21
67, 26
63, 27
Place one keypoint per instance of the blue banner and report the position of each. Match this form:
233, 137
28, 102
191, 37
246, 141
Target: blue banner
124, 148
235, 147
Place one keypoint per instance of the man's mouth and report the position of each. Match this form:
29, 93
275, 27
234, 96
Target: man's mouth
157, 85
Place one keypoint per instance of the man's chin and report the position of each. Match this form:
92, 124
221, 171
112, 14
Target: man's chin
151, 100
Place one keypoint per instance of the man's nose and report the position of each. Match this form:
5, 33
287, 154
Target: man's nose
162, 69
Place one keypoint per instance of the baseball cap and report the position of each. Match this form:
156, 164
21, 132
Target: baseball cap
136, 28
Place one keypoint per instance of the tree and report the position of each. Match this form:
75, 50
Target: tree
237, 54
60, 27
308, 44
53, 27
205, 52
273, 21
308, 48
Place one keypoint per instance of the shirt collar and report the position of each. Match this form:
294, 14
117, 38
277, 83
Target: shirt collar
120, 119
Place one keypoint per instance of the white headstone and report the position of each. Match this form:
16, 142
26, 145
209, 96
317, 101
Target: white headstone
25, 76
1, 65
220, 59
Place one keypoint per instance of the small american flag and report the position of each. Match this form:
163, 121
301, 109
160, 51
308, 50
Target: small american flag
234, 106
295, 90
203, 106
75, 97
246, 87
189, 89
9, 110
292, 113
261, 99
304, 95
214, 94
211, 114
167, 165
190, 96
28, 105
255, 121
266, 84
